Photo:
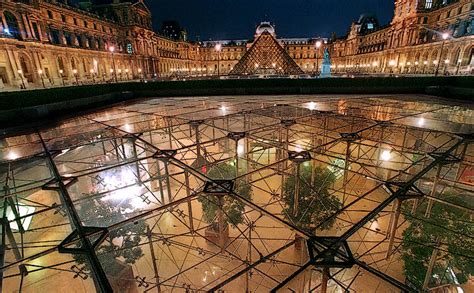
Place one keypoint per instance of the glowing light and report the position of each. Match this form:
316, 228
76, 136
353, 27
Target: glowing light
19, 71
318, 44
111, 70
391, 63
23, 210
218, 47
128, 127
74, 71
112, 49
240, 149
385, 156
425, 62
61, 71
435, 62
416, 62
375, 64
7, 31
312, 106
139, 70
91, 71
446, 61
224, 109
421, 121
445, 36
40, 71
12, 156
298, 148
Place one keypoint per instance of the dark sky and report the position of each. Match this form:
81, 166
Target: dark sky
236, 19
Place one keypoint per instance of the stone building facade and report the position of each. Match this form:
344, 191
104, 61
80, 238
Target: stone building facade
424, 36
50, 43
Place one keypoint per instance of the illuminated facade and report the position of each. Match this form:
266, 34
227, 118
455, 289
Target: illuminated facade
49, 43
424, 37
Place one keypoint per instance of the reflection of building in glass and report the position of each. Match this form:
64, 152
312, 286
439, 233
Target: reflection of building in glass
241, 194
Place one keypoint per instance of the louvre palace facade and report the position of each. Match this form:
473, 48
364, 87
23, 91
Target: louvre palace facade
52, 43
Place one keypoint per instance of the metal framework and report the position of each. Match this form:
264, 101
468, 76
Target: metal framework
148, 161
266, 56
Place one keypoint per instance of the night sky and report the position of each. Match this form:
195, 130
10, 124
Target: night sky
236, 19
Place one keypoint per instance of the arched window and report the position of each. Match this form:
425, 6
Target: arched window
61, 66
12, 24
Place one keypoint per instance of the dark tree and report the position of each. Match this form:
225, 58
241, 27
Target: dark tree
448, 228
315, 203
233, 208
122, 243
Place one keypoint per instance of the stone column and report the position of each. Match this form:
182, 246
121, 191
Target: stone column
26, 24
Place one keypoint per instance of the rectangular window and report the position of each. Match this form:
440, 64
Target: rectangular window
50, 14
36, 31
75, 21
429, 4
63, 18
85, 23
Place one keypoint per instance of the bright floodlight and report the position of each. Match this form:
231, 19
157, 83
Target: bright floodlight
311, 106
40, 71
128, 127
391, 63
421, 121
385, 156
375, 64
318, 44
19, 71
91, 71
298, 148
446, 61
240, 148
218, 47
112, 49
74, 71
12, 156
139, 70
445, 36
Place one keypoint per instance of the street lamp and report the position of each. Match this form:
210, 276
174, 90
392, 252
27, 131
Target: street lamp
424, 66
457, 68
318, 46
391, 63
445, 36
374, 65
112, 50
61, 72
40, 73
92, 74
218, 49
20, 73
74, 71
140, 73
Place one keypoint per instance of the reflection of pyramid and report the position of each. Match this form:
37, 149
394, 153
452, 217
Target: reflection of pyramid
266, 56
